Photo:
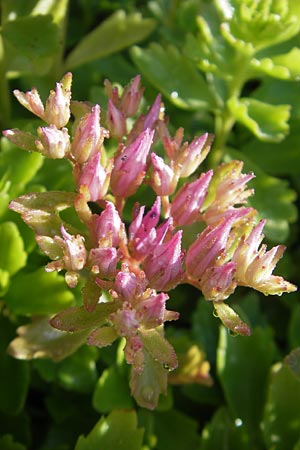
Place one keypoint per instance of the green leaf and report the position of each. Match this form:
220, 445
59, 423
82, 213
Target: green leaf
159, 348
243, 365
14, 375
285, 67
78, 318
118, 431
223, 433
39, 210
38, 292
12, 256
40, 340
114, 34
205, 328
267, 122
231, 319
292, 360
174, 75
294, 327
78, 372
7, 443
112, 392
279, 213
31, 44
281, 422
175, 430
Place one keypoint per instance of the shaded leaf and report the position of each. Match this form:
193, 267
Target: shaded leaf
7, 443
115, 33
292, 360
40, 340
174, 75
118, 431
39, 292
112, 392
267, 122
243, 365
281, 422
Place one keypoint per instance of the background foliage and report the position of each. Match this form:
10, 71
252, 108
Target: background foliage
230, 67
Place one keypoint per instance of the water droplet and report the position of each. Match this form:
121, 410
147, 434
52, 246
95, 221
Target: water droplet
174, 94
238, 422
166, 367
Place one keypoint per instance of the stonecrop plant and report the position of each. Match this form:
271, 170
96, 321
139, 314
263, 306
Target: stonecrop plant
127, 257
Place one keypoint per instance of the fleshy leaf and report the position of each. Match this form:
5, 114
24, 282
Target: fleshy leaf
117, 431
267, 122
40, 340
31, 44
7, 443
292, 360
78, 318
186, 88
245, 361
115, 33
38, 292
39, 210
159, 348
231, 319
281, 422
112, 392
285, 67
12, 256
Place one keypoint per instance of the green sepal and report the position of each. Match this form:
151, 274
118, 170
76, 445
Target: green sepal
78, 318
267, 122
159, 348
114, 34
185, 88
231, 319
118, 431
40, 340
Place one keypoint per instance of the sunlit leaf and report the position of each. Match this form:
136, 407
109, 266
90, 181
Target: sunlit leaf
174, 75
12, 255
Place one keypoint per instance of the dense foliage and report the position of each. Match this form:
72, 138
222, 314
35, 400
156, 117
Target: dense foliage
227, 67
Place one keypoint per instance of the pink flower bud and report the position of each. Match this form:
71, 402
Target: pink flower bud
116, 121
255, 266
171, 145
218, 283
129, 286
151, 311
208, 248
53, 143
112, 92
108, 227
130, 165
103, 261
94, 177
186, 205
163, 266
163, 179
131, 97
153, 114
57, 110
191, 156
89, 136
125, 321
31, 101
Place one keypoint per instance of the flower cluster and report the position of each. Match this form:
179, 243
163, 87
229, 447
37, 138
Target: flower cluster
127, 267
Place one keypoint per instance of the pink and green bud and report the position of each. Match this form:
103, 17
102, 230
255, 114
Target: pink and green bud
191, 156
163, 179
125, 321
94, 177
57, 111
108, 228
31, 101
129, 286
153, 114
186, 205
255, 266
218, 282
112, 92
53, 143
103, 261
208, 248
163, 265
131, 97
130, 165
151, 311
171, 145
89, 136
116, 121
